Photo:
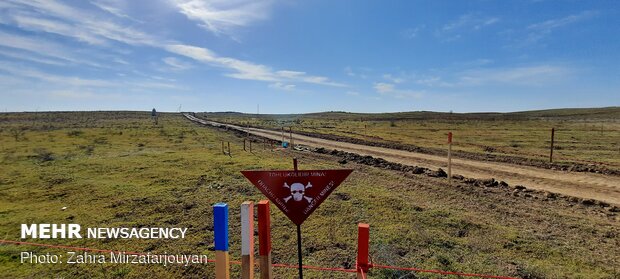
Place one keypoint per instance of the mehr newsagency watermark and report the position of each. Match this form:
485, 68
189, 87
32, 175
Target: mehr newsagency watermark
99, 256
72, 257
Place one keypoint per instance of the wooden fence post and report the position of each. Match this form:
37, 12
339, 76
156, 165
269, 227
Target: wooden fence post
450, 157
552, 139
290, 130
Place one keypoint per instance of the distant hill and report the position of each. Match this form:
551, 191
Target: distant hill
611, 113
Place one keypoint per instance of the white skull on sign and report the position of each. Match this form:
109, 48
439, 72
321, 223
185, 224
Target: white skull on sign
298, 192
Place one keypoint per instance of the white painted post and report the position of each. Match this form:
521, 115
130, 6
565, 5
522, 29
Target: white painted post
247, 240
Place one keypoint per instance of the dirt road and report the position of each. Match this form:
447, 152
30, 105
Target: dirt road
584, 185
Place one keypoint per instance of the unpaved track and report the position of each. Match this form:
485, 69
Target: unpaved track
579, 184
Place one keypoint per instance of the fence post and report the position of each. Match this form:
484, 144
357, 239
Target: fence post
363, 238
243, 144
290, 130
450, 157
250, 146
247, 240
552, 138
264, 240
229, 153
223, 148
220, 231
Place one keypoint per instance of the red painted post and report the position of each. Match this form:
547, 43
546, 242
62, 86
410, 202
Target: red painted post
264, 240
363, 239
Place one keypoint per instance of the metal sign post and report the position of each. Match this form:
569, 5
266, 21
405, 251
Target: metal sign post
297, 193
299, 259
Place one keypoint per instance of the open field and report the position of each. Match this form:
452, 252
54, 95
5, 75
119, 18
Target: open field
584, 136
118, 169
587, 185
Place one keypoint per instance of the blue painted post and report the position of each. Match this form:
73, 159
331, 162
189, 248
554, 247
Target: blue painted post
220, 231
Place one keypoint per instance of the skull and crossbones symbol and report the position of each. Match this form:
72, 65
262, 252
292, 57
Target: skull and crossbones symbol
298, 192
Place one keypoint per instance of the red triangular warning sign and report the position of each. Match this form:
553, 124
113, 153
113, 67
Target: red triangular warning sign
297, 193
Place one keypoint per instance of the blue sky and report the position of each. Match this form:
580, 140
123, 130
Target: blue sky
306, 56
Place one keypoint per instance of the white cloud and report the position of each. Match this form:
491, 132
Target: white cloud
393, 79
526, 75
358, 72
430, 81
465, 23
54, 17
244, 69
29, 57
63, 80
282, 86
412, 33
177, 64
523, 75
382, 87
114, 7
56, 27
290, 74
541, 30
40, 47
388, 89
224, 16
469, 21
352, 93
77, 82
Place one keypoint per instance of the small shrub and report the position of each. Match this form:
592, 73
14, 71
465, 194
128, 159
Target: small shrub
100, 140
75, 133
43, 155
88, 149
392, 123
18, 133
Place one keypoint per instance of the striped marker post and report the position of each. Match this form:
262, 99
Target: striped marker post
247, 240
220, 231
264, 240
363, 239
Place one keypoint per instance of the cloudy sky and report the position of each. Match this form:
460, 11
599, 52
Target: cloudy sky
290, 56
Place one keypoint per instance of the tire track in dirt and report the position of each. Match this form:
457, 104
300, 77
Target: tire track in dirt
579, 184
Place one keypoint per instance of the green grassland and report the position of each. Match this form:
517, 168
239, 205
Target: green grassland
585, 136
117, 169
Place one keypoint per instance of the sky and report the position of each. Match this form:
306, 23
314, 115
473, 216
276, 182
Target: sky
293, 56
